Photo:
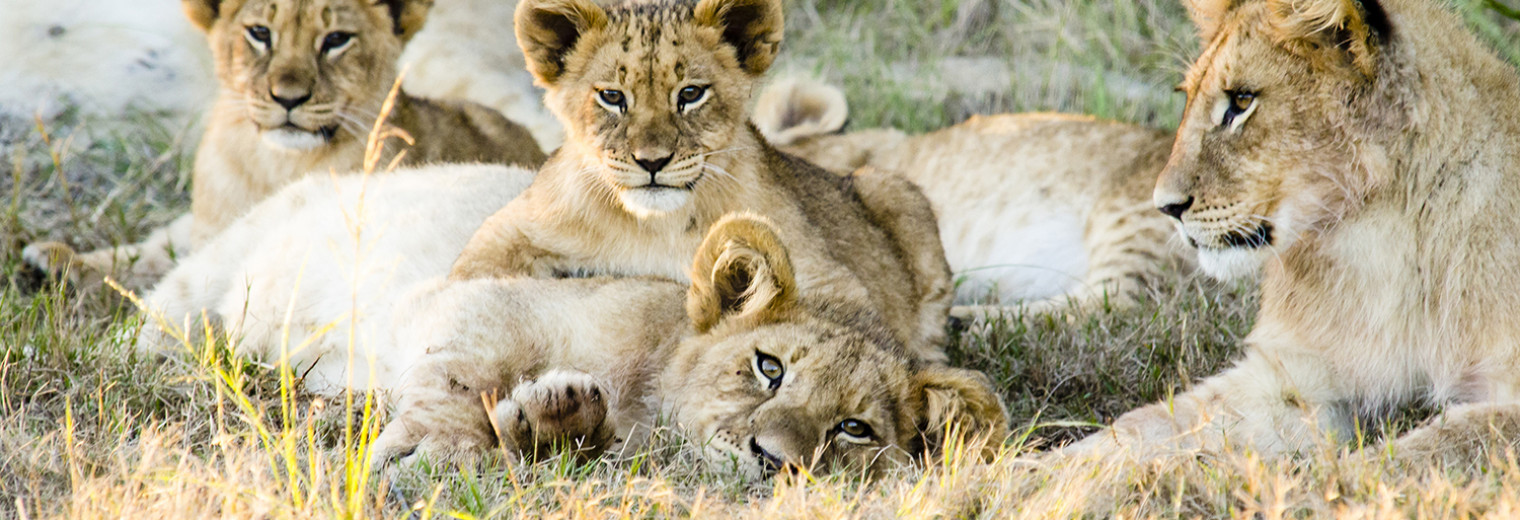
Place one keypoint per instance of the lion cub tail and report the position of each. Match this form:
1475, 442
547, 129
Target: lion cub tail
741, 269
794, 109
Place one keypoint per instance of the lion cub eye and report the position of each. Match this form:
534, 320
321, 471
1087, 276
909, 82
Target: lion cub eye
770, 368
690, 96
856, 428
259, 35
613, 99
1240, 104
336, 41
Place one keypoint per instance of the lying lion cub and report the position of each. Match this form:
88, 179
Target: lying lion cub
767, 371
1050, 210
1367, 154
762, 371
658, 147
303, 82
318, 267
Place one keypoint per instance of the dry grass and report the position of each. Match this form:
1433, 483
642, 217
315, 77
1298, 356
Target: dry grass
89, 429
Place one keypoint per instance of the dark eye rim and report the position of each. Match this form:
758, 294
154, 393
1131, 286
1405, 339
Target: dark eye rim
619, 100
344, 37
760, 359
699, 91
1234, 107
259, 33
866, 432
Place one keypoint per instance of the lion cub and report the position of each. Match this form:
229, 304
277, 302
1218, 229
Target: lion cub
758, 370
303, 82
1050, 210
658, 148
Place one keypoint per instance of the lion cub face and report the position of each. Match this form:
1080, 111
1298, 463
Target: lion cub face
653, 92
1263, 155
307, 72
771, 379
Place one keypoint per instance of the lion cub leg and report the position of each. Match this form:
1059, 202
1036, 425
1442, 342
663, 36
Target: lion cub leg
135, 266
561, 410
1462, 436
1271, 402
460, 402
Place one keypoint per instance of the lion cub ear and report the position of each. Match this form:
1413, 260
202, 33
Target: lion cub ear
962, 402
1356, 27
203, 13
753, 27
547, 30
1207, 15
791, 110
742, 272
407, 16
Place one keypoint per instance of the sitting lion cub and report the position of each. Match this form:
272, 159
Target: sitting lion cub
1050, 210
761, 371
658, 147
1366, 155
303, 82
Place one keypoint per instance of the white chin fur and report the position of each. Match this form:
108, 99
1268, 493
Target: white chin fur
645, 203
1231, 264
292, 140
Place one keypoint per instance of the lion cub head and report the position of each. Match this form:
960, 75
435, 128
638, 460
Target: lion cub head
649, 92
1265, 153
307, 72
774, 378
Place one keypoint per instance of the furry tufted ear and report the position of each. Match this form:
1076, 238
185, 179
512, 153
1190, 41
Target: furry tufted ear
1356, 27
753, 27
794, 109
960, 401
1207, 15
741, 272
547, 30
203, 13
407, 16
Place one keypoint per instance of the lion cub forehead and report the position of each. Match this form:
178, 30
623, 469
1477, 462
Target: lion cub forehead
1219, 55
308, 14
658, 39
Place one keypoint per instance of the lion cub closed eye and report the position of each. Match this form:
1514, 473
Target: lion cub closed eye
302, 83
658, 147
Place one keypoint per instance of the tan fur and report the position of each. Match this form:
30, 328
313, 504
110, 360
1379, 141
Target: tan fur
1375, 177
599, 207
341, 280
1054, 210
245, 155
591, 364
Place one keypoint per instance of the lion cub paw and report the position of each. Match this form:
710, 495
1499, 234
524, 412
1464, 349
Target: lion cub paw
54, 261
561, 410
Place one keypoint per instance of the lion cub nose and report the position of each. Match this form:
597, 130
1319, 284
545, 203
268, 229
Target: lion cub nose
1176, 209
653, 165
768, 459
288, 97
